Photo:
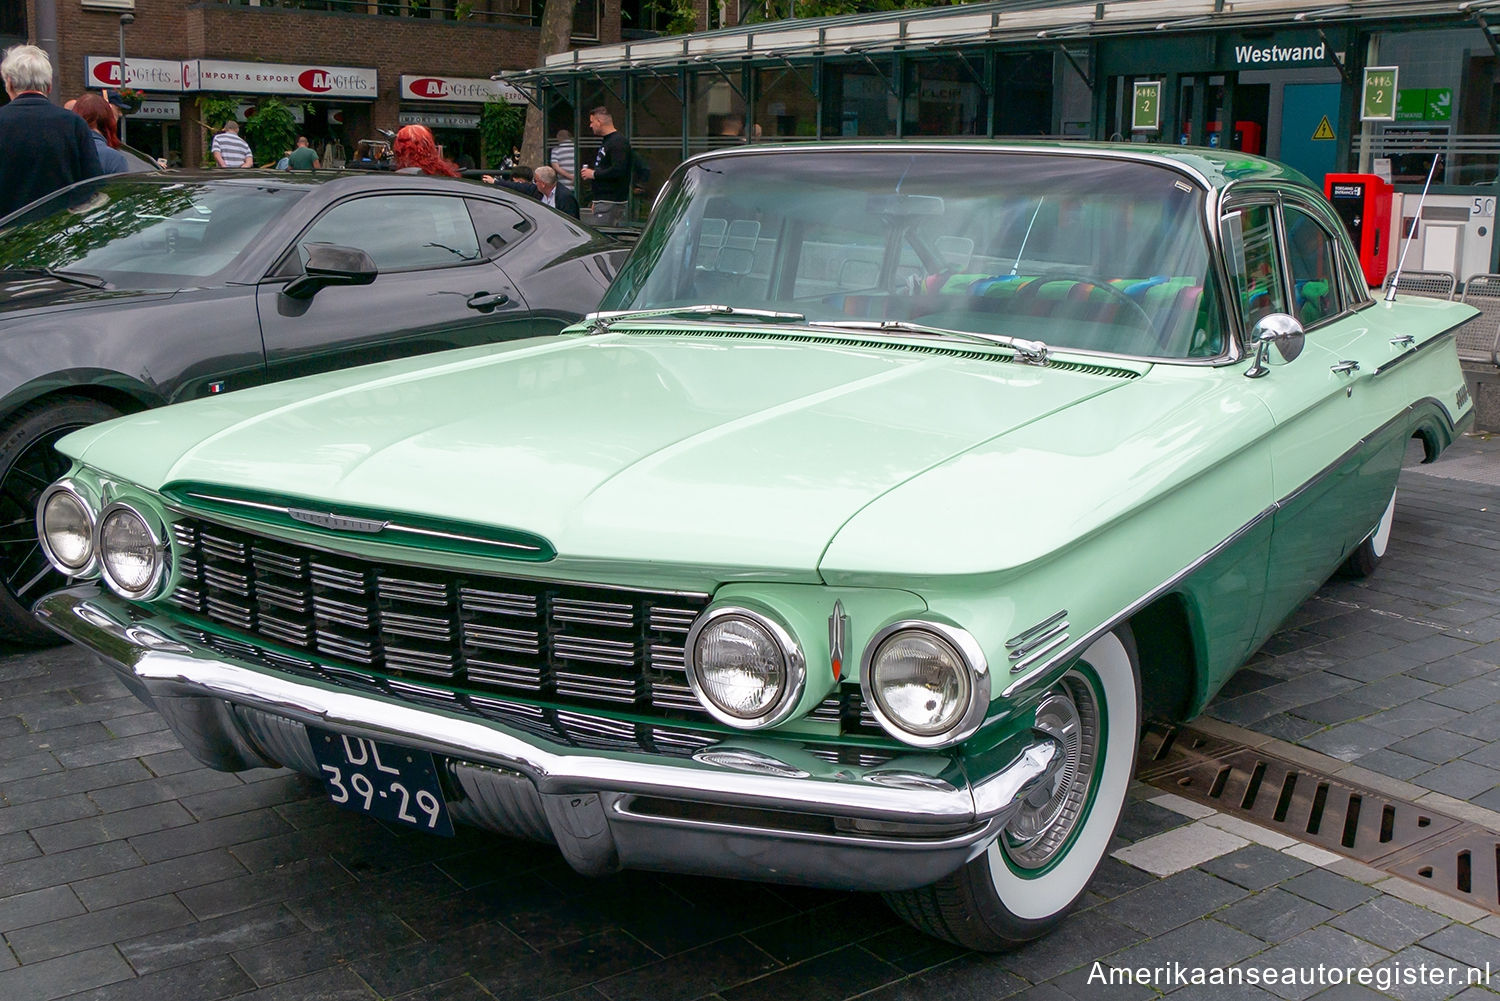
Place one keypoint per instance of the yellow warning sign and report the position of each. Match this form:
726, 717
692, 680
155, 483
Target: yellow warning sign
1324, 130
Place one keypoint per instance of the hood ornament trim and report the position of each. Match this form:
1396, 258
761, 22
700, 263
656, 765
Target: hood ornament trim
337, 522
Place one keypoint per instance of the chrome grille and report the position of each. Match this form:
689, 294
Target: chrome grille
576, 644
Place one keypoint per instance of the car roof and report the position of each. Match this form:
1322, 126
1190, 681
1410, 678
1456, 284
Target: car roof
335, 180
1215, 168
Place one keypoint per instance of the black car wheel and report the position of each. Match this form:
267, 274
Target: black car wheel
28, 464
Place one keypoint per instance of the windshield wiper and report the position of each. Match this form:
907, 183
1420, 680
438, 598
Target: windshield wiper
599, 322
1026, 350
75, 277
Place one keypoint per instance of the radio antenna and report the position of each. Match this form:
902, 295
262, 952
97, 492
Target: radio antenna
1390, 293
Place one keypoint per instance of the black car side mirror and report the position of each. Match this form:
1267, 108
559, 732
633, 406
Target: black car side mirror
330, 264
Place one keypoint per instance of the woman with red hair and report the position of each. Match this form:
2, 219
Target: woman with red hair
417, 153
100, 117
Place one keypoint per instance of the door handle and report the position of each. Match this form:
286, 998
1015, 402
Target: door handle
1346, 367
1404, 341
484, 302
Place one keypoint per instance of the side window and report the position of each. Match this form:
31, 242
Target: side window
1315, 278
499, 226
400, 232
1253, 262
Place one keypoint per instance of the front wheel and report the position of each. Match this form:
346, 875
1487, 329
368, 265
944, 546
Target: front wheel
28, 464
1035, 871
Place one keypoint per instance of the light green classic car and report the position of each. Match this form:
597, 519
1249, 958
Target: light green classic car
848, 546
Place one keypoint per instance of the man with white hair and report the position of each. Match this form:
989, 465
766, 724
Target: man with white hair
44, 147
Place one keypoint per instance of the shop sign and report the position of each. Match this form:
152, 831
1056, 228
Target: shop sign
465, 89
1145, 108
435, 120
1281, 51
156, 111
142, 74
1424, 104
282, 78
245, 111
1377, 102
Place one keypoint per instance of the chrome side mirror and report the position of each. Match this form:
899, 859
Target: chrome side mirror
1280, 329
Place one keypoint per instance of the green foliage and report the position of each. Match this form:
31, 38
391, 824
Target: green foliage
501, 125
776, 10
216, 111
680, 16
463, 10
271, 131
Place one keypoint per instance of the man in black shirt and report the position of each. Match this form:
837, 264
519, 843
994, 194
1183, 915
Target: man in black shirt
42, 147
610, 172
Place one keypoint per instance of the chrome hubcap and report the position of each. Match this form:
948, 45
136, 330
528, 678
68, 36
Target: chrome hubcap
1069, 714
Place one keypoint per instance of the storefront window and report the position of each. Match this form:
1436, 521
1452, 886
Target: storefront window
943, 97
716, 109
860, 98
785, 105
1023, 94
1447, 101
656, 139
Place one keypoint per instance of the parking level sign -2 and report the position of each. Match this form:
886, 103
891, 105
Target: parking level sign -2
1378, 103
1145, 112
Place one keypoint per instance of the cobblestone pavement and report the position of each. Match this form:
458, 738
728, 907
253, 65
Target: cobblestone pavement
127, 871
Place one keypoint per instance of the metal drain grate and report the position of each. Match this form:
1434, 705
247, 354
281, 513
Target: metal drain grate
1459, 859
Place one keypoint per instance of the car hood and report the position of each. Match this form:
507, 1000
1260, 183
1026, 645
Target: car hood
734, 451
37, 293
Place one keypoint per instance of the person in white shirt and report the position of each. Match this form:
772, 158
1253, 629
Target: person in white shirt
229, 149
562, 155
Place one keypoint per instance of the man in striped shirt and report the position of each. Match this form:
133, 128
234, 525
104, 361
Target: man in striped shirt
229, 149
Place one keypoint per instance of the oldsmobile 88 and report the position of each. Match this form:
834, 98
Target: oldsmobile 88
848, 545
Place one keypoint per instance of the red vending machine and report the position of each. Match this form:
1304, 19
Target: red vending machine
1363, 201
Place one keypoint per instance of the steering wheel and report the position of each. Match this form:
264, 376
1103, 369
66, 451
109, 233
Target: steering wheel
1034, 287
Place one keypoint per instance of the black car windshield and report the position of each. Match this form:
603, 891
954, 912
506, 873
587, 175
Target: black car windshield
1086, 252
138, 233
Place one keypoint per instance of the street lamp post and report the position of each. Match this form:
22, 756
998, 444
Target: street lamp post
124, 20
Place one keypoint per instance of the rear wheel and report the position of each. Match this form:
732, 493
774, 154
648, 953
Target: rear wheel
28, 464
1035, 871
1368, 554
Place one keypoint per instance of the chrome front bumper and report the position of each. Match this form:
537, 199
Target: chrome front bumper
684, 800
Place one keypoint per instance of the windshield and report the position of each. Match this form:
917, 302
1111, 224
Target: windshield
1075, 251
142, 233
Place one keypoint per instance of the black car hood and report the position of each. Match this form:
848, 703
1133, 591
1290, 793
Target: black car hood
38, 293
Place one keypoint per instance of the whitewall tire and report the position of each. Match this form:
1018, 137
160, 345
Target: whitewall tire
1368, 554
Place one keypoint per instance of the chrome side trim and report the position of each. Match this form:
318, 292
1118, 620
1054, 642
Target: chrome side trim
1450, 334
1082, 643
1073, 649
1030, 644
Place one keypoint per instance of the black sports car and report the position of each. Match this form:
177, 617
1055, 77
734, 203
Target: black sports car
132, 291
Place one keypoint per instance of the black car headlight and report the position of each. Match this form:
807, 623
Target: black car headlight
927, 683
745, 667
65, 526
132, 551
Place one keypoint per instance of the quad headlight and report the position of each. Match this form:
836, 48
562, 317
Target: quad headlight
65, 525
745, 667
132, 552
927, 683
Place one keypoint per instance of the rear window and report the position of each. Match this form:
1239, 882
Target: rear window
143, 234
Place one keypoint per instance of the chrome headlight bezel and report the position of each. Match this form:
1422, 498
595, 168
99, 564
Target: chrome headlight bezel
794, 663
161, 549
970, 654
89, 567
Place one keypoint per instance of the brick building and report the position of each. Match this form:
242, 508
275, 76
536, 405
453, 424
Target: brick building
348, 66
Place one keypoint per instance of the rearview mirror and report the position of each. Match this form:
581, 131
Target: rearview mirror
1280, 329
330, 264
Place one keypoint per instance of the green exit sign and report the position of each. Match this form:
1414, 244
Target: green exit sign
1378, 102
